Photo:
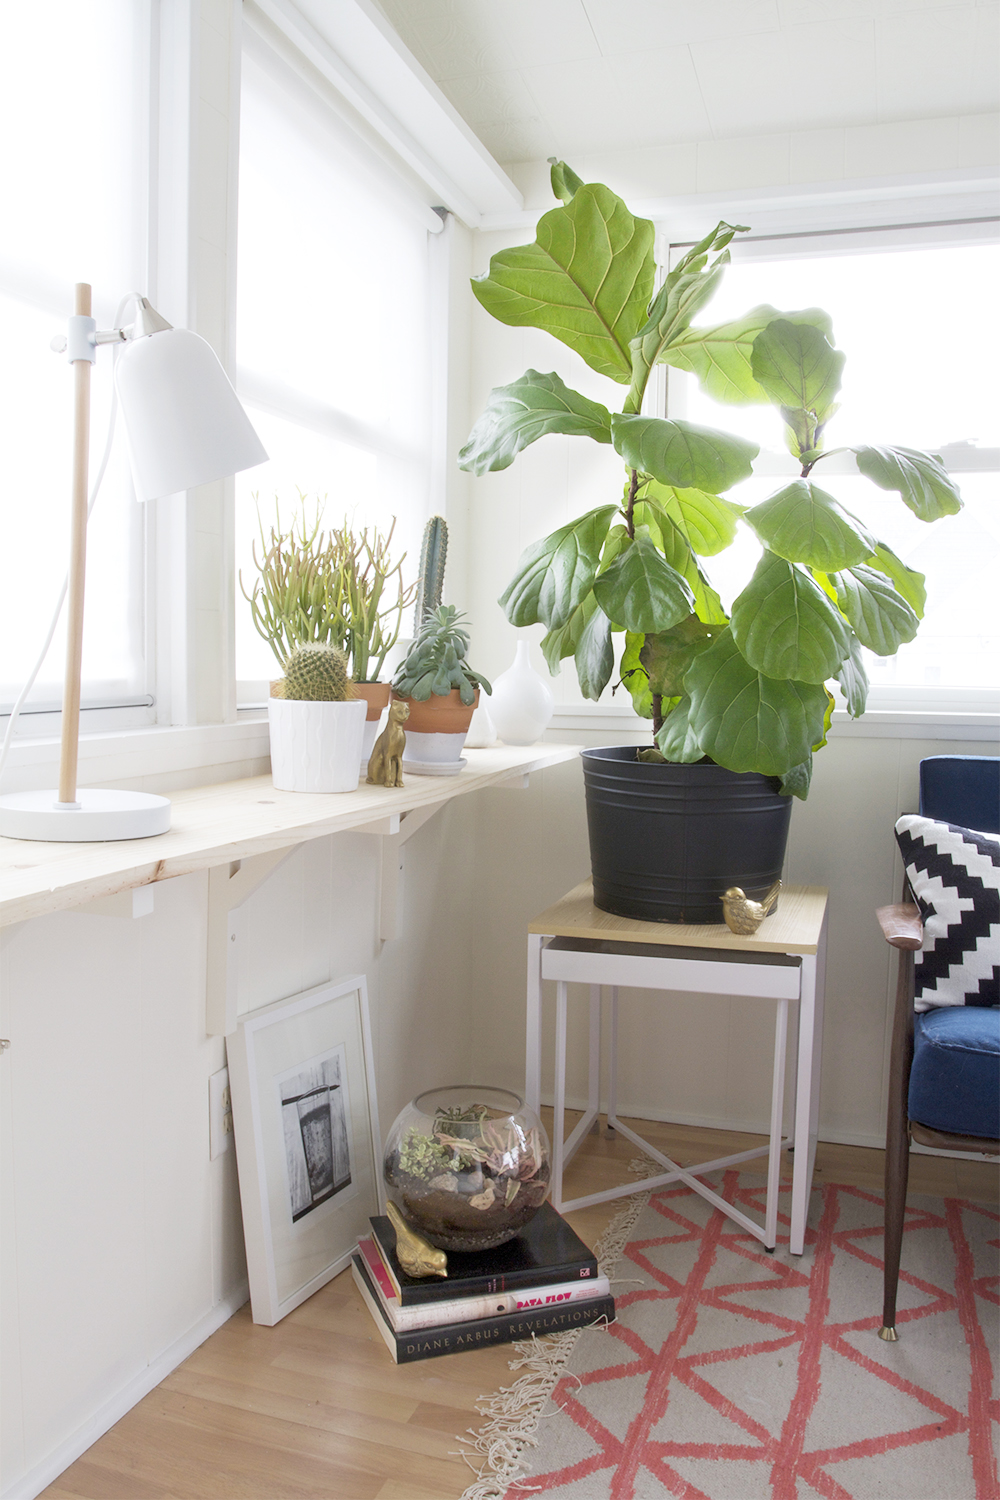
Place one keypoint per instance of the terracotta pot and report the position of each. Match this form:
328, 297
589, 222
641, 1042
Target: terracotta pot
439, 714
376, 695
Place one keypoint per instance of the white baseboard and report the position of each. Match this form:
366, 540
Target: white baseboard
31, 1484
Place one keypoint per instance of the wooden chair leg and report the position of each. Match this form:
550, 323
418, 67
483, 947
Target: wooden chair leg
897, 1141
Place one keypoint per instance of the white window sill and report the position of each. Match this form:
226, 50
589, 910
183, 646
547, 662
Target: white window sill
164, 759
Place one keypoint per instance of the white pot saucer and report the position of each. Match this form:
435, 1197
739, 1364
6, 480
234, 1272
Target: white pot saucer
434, 767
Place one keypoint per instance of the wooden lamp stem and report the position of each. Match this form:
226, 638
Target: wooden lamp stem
77, 565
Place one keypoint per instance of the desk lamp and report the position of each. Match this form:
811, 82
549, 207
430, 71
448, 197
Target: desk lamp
185, 427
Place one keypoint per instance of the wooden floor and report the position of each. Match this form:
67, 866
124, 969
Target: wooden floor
316, 1407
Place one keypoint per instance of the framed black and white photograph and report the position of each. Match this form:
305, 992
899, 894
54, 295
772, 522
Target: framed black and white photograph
308, 1147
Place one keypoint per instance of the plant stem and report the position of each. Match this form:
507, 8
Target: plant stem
657, 712
630, 504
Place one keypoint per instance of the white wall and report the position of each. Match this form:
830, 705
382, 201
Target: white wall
121, 1242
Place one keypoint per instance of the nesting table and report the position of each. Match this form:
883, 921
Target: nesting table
783, 962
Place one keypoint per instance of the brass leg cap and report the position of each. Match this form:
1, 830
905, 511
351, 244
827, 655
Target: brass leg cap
889, 1334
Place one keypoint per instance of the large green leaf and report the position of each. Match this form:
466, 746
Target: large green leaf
554, 575
676, 739
687, 287
720, 356
706, 522
796, 782
676, 548
679, 453
634, 675
527, 409
640, 591
587, 279
881, 617
785, 625
853, 680
563, 641
565, 182
804, 524
797, 366
667, 655
920, 478
911, 584
746, 721
595, 657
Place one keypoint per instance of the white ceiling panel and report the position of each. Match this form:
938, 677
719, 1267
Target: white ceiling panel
951, 57
817, 76
632, 26
536, 78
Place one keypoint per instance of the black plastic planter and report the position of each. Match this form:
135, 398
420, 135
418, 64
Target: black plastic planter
666, 841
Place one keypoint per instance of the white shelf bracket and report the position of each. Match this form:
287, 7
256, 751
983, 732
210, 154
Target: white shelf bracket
138, 902
229, 886
394, 831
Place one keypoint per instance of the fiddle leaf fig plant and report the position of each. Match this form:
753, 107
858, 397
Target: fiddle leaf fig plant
749, 690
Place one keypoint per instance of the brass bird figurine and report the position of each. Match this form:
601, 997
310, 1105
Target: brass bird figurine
744, 916
417, 1256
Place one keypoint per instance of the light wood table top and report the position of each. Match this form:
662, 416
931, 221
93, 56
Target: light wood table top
794, 928
236, 820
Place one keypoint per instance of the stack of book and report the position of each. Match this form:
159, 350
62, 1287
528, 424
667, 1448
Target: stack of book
545, 1280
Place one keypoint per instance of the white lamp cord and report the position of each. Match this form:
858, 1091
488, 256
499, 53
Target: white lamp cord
16, 710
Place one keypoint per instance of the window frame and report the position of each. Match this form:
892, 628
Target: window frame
892, 706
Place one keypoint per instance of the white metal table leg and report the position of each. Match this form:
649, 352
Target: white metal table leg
533, 1038
558, 1127
777, 1118
810, 1057
613, 1061
594, 1075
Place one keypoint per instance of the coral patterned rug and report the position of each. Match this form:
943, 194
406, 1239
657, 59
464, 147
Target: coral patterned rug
731, 1374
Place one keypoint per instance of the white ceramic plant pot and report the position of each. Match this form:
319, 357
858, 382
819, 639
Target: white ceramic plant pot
424, 749
522, 703
315, 747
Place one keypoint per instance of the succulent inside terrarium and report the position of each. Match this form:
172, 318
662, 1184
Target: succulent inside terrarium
467, 1172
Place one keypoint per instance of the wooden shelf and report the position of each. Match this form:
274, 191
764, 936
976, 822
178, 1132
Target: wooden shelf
238, 820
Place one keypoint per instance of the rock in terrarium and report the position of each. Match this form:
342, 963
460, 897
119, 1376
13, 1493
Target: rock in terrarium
467, 1166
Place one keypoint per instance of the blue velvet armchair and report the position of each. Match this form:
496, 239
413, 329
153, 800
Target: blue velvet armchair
944, 1085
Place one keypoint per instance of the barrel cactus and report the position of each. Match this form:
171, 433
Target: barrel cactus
316, 673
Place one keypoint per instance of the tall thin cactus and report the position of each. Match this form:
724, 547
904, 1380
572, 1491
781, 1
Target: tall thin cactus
433, 554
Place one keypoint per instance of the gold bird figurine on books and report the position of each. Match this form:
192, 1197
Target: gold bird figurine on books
744, 916
417, 1256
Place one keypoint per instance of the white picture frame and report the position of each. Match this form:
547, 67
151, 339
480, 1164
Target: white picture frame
308, 1147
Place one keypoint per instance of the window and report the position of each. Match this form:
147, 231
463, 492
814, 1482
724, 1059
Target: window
335, 276
73, 183
917, 323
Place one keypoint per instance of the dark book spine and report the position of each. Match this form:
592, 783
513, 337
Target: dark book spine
437, 1289
508, 1328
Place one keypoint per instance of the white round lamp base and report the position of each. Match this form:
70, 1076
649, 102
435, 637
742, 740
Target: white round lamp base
98, 816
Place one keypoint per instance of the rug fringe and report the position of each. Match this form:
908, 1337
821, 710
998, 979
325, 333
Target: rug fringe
514, 1412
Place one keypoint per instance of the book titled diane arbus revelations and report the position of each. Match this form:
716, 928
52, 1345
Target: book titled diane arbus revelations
454, 1338
543, 1281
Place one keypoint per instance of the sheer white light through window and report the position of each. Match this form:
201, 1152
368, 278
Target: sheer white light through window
72, 112
918, 327
333, 352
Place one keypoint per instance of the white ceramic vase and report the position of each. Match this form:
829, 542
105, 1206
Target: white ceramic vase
315, 747
522, 703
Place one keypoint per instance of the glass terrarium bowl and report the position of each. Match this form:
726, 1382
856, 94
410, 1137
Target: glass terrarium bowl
467, 1166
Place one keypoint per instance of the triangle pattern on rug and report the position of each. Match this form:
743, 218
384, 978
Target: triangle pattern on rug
731, 1375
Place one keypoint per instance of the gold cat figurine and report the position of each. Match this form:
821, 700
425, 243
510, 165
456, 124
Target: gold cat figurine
385, 767
415, 1254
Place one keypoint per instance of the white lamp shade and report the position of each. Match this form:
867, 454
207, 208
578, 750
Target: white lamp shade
184, 421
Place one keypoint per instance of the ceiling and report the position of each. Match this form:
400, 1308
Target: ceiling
567, 78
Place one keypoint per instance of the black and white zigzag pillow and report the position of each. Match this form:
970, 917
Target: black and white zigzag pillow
954, 874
